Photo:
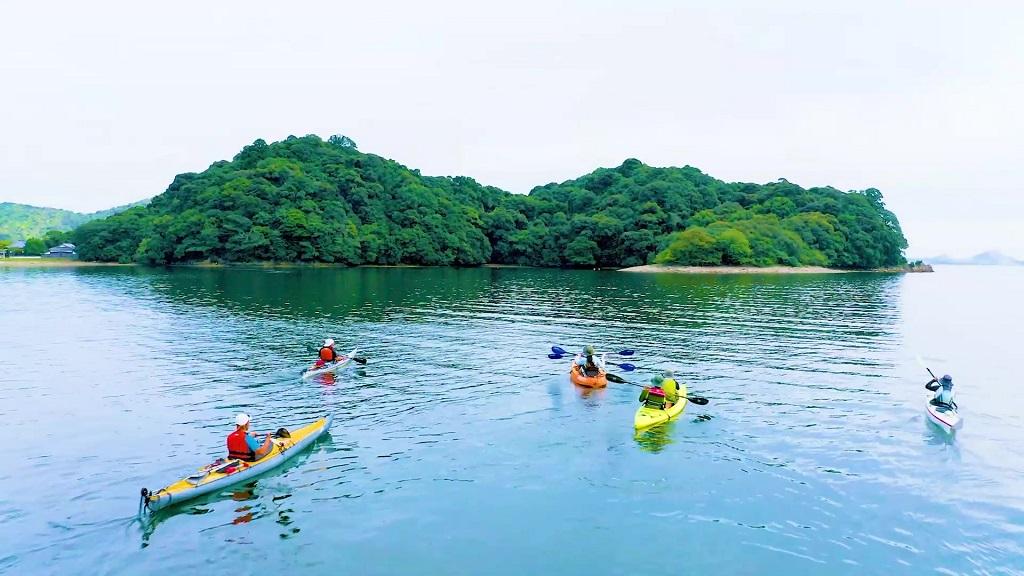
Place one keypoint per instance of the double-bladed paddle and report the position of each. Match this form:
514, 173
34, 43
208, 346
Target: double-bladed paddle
563, 352
699, 400
356, 359
624, 365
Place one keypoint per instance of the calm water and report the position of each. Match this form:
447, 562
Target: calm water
461, 449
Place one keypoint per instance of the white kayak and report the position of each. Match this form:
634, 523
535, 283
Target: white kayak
943, 416
343, 361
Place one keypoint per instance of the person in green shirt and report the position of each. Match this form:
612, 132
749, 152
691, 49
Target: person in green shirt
671, 388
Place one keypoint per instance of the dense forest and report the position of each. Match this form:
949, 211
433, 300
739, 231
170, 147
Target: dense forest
42, 228
310, 200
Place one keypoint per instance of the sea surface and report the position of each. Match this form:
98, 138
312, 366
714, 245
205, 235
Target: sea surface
460, 448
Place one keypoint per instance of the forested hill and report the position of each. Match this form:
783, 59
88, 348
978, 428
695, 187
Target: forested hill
23, 222
305, 199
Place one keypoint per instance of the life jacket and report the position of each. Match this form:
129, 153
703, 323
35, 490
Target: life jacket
238, 447
653, 397
328, 354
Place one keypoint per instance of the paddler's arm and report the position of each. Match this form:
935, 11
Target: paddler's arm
932, 385
259, 450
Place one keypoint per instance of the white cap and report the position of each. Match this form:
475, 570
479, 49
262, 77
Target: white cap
242, 419
329, 342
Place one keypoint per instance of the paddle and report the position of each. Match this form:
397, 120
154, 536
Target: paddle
699, 400
921, 362
625, 365
356, 359
563, 352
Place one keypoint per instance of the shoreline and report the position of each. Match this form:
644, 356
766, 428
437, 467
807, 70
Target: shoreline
673, 269
29, 262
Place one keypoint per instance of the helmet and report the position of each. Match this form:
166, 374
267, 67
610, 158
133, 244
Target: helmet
242, 419
947, 381
668, 374
657, 381
589, 350
947, 378
328, 342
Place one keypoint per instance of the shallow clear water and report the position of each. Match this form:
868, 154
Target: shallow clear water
461, 449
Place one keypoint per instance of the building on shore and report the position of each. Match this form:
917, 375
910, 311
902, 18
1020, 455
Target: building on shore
62, 251
16, 247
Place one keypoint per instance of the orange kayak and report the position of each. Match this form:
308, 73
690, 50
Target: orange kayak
599, 380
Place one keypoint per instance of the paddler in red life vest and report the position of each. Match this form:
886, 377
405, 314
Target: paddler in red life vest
654, 396
245, 446
327, 353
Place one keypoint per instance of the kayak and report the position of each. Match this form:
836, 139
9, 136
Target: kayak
599, 380
646, 417
943, 416
226, 472
330, 367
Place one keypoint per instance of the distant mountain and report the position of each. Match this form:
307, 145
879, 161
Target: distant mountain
990, 258
22, 221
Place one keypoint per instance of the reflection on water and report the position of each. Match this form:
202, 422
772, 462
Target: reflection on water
463, 442
655, 439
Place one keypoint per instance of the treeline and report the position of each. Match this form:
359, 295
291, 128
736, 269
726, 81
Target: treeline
309, 200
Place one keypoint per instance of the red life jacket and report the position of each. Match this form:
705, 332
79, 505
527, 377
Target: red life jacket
328, 354
238, 447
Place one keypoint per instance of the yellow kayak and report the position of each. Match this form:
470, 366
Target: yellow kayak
226, 472
647, 417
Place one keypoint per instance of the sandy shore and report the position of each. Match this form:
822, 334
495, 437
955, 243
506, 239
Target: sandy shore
733, 269
52, 263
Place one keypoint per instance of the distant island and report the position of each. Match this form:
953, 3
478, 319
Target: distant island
310, 200
990, 258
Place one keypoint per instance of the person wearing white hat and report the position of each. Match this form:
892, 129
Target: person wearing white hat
245, 446
327, 353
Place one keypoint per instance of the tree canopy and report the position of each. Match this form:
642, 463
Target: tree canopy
309, 200
22, 222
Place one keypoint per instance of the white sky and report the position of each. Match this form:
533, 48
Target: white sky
103, 103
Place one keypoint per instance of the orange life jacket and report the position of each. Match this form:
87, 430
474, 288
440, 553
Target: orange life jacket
328, 354
238, 447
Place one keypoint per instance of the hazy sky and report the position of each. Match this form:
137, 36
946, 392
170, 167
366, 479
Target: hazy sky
103, 103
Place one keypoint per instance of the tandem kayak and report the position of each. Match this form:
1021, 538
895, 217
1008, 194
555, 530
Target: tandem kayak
330, 367
579, 378
226, 472
943, 416
647, 417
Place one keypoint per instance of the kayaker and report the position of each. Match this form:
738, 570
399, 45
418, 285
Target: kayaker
653, 396
943, 389
671, 388
588, 362
327, 353
245, 446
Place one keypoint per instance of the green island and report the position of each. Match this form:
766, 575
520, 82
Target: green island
308, 200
